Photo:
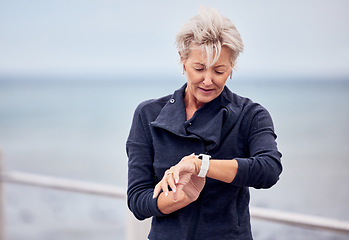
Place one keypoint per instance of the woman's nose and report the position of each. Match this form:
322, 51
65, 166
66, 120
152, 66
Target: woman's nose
207, 78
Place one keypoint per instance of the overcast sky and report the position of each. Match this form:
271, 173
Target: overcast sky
288, 38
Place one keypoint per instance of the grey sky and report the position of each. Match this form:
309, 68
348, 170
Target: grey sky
299, 37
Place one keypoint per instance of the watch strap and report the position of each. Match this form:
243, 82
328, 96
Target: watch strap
204, 165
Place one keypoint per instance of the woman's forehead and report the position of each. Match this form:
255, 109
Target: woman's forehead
198, 55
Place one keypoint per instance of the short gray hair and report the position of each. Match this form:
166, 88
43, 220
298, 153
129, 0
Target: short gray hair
210, 30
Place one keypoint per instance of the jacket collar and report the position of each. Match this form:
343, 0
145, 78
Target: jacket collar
173, 115
210, 123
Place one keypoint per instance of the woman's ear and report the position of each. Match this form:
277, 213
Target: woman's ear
182, 62
180, 56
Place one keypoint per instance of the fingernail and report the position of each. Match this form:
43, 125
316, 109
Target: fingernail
166, 194
176, 180
174, 190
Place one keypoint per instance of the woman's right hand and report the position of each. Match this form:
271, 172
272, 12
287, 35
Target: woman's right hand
182, 177
193, 188
188, 181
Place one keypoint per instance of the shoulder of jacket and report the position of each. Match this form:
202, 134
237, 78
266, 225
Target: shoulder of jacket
243, 104
152, 105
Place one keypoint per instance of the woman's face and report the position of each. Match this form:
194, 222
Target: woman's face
205, 84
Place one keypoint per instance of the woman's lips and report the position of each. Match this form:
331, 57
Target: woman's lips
206, 91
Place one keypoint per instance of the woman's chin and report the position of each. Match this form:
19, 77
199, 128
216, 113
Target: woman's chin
205, 99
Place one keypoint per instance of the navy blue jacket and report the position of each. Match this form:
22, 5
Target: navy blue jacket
228, 127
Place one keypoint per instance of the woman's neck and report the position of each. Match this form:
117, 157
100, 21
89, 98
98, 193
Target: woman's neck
190, 105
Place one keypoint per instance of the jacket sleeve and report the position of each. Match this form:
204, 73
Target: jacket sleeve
141, 181
263, 166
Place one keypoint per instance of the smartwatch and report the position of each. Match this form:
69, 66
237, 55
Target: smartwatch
204, 165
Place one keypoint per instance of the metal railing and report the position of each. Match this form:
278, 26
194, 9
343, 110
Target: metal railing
137, 230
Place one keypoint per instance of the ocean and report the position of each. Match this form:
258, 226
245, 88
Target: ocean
76, 128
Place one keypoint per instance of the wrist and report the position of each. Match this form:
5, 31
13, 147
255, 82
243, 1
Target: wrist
197, 163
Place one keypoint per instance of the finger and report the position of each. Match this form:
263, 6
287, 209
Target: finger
179, 190
156, 190
171, 182
176, 176
175, 196
164, 187
171, 177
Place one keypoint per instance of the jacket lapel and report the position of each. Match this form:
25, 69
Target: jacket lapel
173, 115
210, 123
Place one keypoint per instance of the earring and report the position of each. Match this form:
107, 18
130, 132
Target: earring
183, 71
231, 74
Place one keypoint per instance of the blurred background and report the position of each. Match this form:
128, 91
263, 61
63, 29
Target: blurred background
72, 73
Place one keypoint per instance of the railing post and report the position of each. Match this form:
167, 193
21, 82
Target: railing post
135, 229
2, 202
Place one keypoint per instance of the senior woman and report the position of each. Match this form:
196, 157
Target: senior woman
194, 154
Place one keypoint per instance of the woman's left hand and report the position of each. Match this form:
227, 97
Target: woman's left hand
182, 177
